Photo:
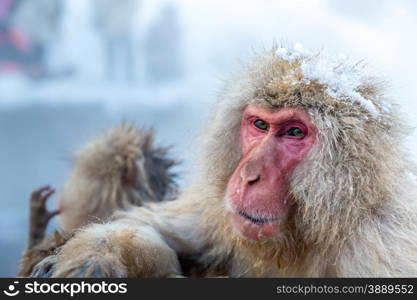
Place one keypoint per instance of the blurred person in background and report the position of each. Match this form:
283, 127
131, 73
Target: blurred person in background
163, 47
114, 20
35, 24
11, 48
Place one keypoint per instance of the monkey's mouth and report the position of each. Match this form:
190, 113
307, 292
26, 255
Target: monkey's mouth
256, 220
255, 227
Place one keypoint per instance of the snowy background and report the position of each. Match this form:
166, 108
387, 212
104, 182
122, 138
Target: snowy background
43, 121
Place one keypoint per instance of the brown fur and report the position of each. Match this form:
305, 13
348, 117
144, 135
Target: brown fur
48, 246
118, 169
356, 184
355, 201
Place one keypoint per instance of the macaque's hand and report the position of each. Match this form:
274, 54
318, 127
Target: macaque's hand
45, 267
114, 250
93, 266
39, 215
38, 200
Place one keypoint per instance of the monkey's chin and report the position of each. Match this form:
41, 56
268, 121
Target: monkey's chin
256, 231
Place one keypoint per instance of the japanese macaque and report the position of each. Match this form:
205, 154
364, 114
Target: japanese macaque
119, 169
301, 173
112, 172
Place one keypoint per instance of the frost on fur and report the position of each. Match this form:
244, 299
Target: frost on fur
342, 78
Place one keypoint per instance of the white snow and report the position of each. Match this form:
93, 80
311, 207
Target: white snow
412, 176
341, 77
298, 51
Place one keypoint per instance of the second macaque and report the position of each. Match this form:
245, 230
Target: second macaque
119, 169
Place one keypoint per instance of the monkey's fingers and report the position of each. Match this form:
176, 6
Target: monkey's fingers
39, 196
93, 267
36, 193
45, 268
52, 213
45, 195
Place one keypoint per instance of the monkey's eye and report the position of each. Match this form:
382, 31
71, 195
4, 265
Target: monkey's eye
295, 131
261, 124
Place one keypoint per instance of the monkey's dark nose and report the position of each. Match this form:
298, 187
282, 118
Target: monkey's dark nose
254, 180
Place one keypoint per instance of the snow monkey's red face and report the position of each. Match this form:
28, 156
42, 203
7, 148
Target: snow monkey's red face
273, 144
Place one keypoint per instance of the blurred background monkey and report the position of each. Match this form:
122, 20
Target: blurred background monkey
118, 169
